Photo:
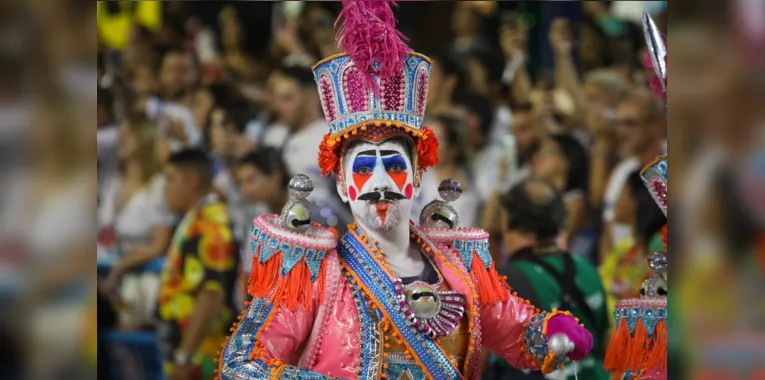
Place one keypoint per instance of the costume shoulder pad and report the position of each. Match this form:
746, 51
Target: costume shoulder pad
290, 253
440, 223
471, 243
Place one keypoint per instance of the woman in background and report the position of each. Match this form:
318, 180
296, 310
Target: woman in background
134, 207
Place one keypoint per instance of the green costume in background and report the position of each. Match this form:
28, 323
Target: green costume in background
527, 276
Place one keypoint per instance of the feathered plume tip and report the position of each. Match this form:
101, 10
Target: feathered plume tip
657, 54
656, 81
368, 34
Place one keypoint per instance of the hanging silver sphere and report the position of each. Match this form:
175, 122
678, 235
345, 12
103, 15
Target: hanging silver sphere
450, 190
658, 262
560, 344
300, 186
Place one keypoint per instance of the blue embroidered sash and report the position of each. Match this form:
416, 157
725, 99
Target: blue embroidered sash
381, 287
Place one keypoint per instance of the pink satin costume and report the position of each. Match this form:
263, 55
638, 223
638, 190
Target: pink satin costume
328, 338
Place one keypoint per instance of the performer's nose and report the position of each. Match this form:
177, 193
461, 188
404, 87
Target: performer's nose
381, 183
382, 187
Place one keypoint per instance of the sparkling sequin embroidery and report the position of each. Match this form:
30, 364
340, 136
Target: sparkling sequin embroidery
357, 257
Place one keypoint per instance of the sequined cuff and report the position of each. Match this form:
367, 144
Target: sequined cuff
535, 342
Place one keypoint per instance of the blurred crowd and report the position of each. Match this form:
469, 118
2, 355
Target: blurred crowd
556, 91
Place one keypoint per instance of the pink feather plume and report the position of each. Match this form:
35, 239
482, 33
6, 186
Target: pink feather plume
655, 80
368, 34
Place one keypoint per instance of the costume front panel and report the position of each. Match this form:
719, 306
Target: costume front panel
349, 329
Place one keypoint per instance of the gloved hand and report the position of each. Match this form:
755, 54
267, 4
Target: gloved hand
568, 326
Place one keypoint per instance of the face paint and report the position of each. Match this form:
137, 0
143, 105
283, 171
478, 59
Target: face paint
395, 165
381, 188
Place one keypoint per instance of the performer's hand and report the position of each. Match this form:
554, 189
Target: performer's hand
566, 325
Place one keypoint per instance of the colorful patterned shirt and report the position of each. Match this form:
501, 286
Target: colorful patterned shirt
202, 255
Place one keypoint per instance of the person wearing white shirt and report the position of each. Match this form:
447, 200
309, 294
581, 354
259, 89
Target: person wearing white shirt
297, 104
133, 206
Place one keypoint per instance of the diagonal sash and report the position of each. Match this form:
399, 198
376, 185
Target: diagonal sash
380, 287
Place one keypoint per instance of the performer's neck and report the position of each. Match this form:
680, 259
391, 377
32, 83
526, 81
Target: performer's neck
394, 242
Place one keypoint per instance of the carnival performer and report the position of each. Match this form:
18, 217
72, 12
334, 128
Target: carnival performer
384, 300
638, 348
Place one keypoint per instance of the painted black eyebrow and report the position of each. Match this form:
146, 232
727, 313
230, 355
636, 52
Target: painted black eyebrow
388, 152
367, 153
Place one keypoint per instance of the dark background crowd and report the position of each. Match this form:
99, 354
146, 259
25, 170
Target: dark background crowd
556, 91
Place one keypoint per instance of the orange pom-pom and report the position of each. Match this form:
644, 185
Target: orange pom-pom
329, 160
427, 149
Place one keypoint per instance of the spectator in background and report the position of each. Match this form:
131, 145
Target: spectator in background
197, 283
322, 31
548, 276
263, 180
171, 110
107, 133
133, 206
478, 113
452, 163
267, 129
444, 83
228, 145
297, 104
641, 133
239, 64
468, 40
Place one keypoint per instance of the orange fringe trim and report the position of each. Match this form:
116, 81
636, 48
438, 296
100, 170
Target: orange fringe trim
637, 352
266, 282
490, 286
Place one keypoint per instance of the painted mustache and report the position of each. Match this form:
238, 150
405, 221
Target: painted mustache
376, 196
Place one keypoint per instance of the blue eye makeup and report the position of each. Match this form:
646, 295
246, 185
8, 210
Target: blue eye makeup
393, 162
367, 162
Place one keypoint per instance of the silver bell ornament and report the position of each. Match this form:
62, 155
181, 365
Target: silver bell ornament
296, 214
440, 214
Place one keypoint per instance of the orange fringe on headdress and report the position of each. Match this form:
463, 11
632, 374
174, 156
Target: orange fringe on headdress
331, 147
296, 288
637, 351
664, 236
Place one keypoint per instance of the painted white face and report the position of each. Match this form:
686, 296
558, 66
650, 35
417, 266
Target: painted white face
378, 183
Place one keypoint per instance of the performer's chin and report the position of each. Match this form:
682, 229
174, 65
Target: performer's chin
382, 215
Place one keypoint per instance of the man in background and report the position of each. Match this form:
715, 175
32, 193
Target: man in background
296, 101
550, 278
197, 282
640, 134
171, 111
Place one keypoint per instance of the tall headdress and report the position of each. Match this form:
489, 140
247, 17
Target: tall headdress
375, 90
638, 348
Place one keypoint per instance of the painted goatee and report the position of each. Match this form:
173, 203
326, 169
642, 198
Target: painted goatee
382, 215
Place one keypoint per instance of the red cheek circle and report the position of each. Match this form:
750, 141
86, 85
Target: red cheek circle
408, 191
352, 192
